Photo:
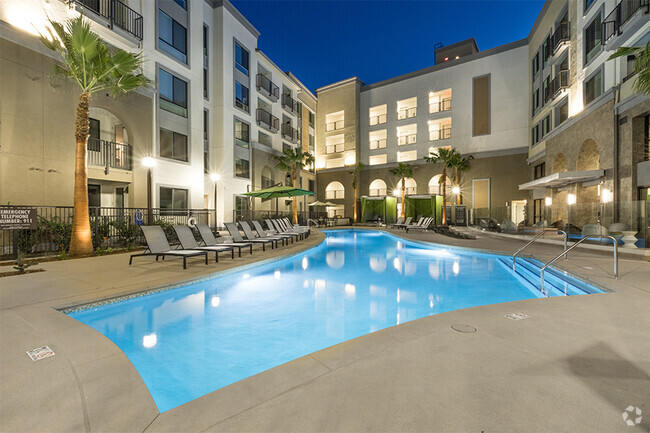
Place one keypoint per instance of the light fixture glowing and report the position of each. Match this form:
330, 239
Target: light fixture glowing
571, 199
455, 190
605, 195
215, 301
148, 161
396, 192
548, 201
446, 59
215, 177
149, 340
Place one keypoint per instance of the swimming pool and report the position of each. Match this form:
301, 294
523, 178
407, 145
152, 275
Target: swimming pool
192, 340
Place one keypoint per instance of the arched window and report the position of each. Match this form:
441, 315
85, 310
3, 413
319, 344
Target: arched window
377, 188
410, 184
334, 190
267, 177
436, 188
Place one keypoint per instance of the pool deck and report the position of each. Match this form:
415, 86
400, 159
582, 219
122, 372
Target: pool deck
573, 366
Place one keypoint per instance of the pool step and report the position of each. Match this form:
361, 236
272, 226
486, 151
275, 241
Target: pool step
555, 283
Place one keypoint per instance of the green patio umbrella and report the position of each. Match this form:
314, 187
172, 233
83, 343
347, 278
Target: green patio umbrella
278, 191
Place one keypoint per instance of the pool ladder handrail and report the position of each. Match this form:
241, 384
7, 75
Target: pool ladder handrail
566, 250
544, 230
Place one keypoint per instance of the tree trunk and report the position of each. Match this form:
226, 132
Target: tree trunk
81, 243
444, 196
295, 205
403, 197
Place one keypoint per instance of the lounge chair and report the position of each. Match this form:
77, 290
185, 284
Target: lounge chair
158, 246
209, 239
404, 224
424, 226
281, 229
296, 226
251, 236
234, 232
399, 221
264, 233
188, 242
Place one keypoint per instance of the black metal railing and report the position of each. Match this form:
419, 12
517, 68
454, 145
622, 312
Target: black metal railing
561, 81
620, 15
562, 34
442, 105
289, 132
102, 153
440, 134
117, 13
110, 227
289, 102
406, 113
264, 83
266, 118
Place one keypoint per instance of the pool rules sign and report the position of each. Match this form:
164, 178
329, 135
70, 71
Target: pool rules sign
17, 219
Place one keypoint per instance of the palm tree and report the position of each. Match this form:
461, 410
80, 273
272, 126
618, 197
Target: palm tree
403, 171
459, 163
446, 158
86, 60
355, 173
641, 65
292, 161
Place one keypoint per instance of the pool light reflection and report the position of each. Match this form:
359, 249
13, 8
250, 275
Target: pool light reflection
149, 340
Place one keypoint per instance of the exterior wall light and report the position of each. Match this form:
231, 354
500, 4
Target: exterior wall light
571, 199
548, 201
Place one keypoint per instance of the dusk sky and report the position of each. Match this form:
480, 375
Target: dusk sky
322, 42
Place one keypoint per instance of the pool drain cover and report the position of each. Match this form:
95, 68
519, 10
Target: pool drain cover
463, 328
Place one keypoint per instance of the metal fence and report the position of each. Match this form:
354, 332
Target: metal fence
110, 227
262, 215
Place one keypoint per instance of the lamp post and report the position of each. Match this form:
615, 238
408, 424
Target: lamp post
149, 162
215, 177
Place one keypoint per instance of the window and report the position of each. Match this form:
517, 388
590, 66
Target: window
545, 51
241, 58
377, 159
539, 171
646, 151
535, 135
407, 108
588, 3
377, 115
312, 143
334, 121
173, 145
205, 62
242, 137
535, 66
172, 37
593, 87
181, 3
312, 119
241, 96
592, 39
481, 106
206, 143
93, 136
545, 85
538, 210
409, 155
630, 66
335, 144
242, 205
312, 185
335, 163
242, 168
535, 102
173, 198
546, 125
562, 113
173, 93
334, 190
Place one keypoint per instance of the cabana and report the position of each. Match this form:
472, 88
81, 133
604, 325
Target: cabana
376, 209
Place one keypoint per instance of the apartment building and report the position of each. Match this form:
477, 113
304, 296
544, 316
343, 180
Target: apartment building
469, 100
204, 133
588, 130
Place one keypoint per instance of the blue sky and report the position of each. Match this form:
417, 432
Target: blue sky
322, 42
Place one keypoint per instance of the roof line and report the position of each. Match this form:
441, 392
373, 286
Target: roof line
233, 10
340, 83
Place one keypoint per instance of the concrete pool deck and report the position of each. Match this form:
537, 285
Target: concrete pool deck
574, 365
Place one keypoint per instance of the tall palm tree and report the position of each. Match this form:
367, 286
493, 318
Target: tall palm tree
292, 161
403, 171
446, 158
86, 60
641, 65
355, 173
459, 163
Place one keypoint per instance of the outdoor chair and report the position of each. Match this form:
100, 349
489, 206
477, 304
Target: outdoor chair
286, 224
209, 239
250, 235
267, 233
399, 221
281, 228
296, 227
158, 246
188, 242
404, 224
234, 232
424, 226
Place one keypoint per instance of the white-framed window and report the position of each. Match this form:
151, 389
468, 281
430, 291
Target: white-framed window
377, 139
334, 190
334, 121
377, 115
440, 129
335, 144
407, 108
409, 155
440, 101
377, 159
407, 134
335, 163
377, 188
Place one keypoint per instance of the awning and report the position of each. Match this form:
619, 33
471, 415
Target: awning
563, 178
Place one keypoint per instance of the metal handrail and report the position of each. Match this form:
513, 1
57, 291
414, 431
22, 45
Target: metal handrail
544, 230
541, 274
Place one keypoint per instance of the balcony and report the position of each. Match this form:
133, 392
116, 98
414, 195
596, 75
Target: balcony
407, 113
622, 13
560, 82
442, 105
270, 89
290, 133
117, 13
407, 139
377, 120
289, 103
102, 153
559, 39
440, 134
267, 120
334, 126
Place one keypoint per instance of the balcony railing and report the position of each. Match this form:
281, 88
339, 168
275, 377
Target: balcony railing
562, 34
102, 153
334, 148
442, 105
289, 132
377, 120
117, 13
289, 102
268, 120
406, 113
440, 134
561, 81
377, 192
620, 15
407, 139
377, 144
333, 126
263, 83
335, 194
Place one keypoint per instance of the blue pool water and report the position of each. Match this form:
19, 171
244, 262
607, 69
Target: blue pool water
192, 340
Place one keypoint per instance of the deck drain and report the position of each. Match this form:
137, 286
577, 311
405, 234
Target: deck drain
463, 328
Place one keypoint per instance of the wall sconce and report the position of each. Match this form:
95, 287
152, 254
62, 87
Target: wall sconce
571, 199
605, 195
548, 201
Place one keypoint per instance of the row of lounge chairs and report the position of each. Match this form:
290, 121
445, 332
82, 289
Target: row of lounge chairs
279, 230
423, 223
